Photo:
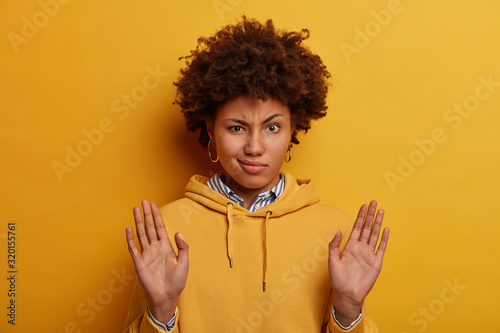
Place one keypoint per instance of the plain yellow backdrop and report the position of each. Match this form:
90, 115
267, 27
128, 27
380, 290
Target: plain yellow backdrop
88, 129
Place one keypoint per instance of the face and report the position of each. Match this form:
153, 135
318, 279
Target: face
252, 138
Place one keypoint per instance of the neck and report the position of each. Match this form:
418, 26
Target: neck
249, 194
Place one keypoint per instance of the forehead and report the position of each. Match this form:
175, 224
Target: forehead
247, 108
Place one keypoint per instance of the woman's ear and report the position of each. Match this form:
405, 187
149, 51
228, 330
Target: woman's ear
292, 128
210, 130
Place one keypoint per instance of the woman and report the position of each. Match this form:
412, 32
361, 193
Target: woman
265, 252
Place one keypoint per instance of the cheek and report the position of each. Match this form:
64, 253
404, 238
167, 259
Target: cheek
227, 148
278, 150
283, 143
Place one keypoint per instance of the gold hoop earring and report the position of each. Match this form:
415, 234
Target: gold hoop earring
209, 154
289, 151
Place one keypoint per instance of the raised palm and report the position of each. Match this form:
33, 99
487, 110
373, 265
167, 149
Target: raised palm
353, 271
161, 271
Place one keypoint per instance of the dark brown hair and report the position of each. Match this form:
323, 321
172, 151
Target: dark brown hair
256, 59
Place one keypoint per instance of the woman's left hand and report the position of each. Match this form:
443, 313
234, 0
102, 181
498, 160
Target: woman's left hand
353, 272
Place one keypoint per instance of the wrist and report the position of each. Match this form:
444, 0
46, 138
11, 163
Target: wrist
346, 312
165, 311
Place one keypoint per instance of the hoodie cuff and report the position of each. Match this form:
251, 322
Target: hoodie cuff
170, 324
352, 324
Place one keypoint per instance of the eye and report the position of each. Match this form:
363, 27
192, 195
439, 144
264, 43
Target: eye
273, 128
236, 128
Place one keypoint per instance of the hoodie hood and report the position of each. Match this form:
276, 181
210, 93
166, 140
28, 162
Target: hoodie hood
298, 193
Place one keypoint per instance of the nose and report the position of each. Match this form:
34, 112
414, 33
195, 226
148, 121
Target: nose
254, 145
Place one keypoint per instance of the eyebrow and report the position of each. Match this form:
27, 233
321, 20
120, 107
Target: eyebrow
242, 122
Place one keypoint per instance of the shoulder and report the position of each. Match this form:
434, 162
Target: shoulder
181, 211
196, 184
327, 207
179, 206
333, 212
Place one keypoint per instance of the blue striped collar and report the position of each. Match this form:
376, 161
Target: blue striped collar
218, 183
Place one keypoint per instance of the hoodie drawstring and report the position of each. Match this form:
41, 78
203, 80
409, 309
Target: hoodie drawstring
229, 235
229, 239
268, 214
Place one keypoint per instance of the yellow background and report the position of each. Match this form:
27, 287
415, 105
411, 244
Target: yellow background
397, 87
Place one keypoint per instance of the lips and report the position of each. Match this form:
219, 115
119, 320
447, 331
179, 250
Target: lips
252, 166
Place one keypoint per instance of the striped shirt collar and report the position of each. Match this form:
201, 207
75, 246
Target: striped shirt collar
217, 183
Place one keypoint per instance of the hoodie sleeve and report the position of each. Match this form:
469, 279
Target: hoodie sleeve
363, 325
138, 320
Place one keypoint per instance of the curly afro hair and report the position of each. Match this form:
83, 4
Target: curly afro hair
256, 59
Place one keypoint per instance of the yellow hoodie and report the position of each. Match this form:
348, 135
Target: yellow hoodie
282, 248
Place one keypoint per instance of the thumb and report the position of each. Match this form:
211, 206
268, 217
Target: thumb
183, 249
335, 245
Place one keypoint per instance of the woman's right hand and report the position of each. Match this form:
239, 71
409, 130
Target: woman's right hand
162, 273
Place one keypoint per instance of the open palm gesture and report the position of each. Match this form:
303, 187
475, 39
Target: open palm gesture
161, 271
353, 271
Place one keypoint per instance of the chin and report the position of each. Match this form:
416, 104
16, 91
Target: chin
250, 181
256, 181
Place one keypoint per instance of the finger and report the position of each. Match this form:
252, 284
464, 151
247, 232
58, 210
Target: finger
358, 224
139, 227
367, 226
383, 243
161, 232
183, 247
376, 229
335, 246
131, 243
149, 223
